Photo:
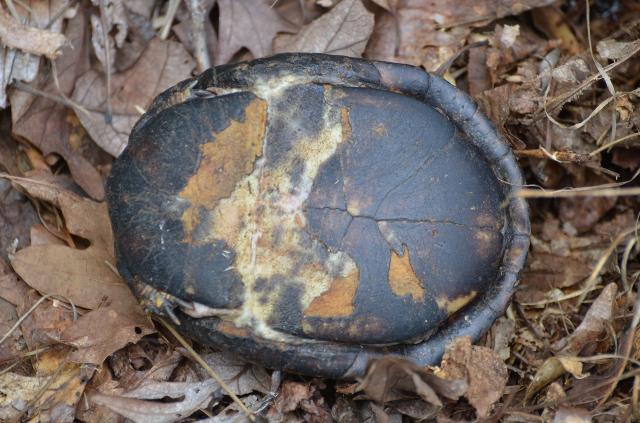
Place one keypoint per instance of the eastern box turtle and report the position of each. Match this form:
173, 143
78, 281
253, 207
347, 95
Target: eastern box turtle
311, 212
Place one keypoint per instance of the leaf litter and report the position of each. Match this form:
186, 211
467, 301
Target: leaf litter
558, 78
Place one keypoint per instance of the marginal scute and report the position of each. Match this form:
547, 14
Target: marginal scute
225, 161
402, 279
337, 301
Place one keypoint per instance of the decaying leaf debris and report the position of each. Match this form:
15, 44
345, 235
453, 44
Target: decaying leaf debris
560, 79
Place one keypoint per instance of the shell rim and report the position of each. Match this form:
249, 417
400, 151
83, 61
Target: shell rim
346, 361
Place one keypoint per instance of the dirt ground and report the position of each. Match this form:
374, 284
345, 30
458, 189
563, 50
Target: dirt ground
560, 79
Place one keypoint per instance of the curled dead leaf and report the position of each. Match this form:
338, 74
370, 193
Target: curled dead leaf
344, 30
392, 378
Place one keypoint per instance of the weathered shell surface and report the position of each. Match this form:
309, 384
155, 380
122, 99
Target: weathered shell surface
320, 207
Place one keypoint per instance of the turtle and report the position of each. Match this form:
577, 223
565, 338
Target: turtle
311, 212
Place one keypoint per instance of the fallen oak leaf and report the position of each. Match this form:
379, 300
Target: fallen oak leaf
344, 30
99, 333
248, 23
86, 277
163, 64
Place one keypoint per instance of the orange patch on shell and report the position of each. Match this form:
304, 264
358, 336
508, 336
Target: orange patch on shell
337, 301
402, 279
225, 161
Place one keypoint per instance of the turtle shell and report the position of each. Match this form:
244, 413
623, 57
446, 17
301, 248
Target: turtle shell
313, 211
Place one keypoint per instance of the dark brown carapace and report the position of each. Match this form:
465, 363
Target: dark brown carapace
313, 211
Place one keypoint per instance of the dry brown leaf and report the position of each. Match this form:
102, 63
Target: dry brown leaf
163, 64
12, 347
485, 372
614, 49
344, 30
301, 397
15, 393
428, 33
594, 324
43, 326
16, 217
45, 123
392, 378
383, 42
115, 27
85, 277
252, 24
193, 396
56, 403
99, 333
126, 371
40, 42
185, 31
502, 333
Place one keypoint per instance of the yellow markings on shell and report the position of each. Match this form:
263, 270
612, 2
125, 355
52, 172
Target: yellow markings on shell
455, 304
225, 161
402, 278
262, 221
338, 300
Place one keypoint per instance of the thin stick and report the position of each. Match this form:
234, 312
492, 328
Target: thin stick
591, 281
198, 36
607, 192
556, 156
107, 60
168, 20
614, 142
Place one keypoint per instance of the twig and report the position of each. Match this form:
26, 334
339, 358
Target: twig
556, 156
28, 312
107, 60
198, 35
168, 19
607, 192
614, 142
604, 190
64, 101
604, 75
